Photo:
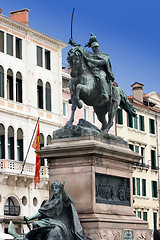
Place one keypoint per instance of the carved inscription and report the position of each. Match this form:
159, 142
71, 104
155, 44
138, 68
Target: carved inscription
112, 190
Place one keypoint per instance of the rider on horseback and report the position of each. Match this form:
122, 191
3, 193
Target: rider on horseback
100, 66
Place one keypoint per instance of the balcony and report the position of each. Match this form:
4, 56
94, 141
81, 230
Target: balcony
10, 173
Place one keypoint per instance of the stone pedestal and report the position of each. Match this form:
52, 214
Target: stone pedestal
98, 175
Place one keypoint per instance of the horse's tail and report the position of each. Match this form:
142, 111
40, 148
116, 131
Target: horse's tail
125, 104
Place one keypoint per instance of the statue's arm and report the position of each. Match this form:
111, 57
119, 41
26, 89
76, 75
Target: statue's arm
98, 62
35, 216
109, 68
73, 43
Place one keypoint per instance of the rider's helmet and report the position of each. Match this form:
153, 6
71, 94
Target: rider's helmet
92, 40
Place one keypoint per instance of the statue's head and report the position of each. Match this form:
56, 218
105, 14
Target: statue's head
56, 187
92, 39
95, 47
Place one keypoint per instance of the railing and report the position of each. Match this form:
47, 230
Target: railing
15, 167
143, 165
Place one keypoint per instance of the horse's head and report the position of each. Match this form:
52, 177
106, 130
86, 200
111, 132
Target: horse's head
74, 59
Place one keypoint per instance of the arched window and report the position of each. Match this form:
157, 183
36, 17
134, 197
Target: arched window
19, 87
42, 145
2, 142
1, 82
48, 96
11, 207
40, 94
19, 144
49, 139
10, 143
10, 84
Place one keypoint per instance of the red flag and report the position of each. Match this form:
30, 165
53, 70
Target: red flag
36, 146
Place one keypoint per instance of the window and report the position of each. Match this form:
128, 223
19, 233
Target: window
1, 41
154, 189
143, 187
48, 96
19, 145
2, 142
143, 154
131, 146
11, 207
141, 123
151, 126
10, 143
10, 84
9, 44
134, 186
39, 57
119, 116
135, 122
18, 48
138, 186
129, 120
94, 117
49, 139
153, 159
47, 59
139, 214
65, 109
155, 220
19, 87
145, 216
1, 82
86, 114
42, 145
136, 149
40, 94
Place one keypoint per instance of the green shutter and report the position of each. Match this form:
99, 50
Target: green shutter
143, 123
154, 189
134, 186
1, 41
135, 122
137, 149
153, 159
151, 126
48, 98
9, 44
138, 187
1, 84
155, 220
143, 187
145, 216
64, 108
139, 214
119, 116
39, 56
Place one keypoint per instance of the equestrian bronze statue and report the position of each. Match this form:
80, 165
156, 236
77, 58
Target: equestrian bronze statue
91, 81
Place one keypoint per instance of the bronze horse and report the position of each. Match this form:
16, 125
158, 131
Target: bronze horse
84, 86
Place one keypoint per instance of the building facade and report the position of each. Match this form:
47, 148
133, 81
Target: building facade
30, 88
142, 135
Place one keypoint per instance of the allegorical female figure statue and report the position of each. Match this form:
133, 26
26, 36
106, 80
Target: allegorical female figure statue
57, 218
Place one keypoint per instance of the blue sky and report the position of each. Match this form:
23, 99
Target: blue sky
128, 30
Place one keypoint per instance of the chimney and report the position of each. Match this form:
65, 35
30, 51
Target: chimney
20, 16
0, 10
137, 91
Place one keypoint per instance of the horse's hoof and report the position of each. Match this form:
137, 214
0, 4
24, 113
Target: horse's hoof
79, 104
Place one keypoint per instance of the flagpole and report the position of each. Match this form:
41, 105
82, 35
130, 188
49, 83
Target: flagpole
29, 146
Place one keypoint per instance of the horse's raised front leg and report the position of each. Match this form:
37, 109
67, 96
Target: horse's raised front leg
74, 106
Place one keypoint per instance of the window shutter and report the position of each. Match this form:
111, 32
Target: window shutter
138, 187
1, 41
143, 187
135, 122
134, 186
1, 84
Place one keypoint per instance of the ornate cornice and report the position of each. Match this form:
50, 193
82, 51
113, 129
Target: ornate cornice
31, 32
